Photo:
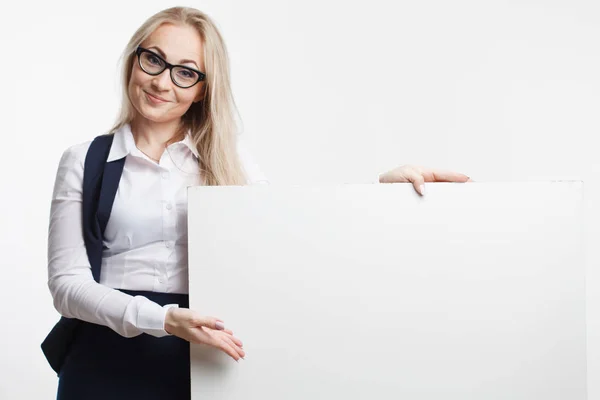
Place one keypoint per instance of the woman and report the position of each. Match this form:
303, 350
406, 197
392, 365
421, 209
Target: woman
175, 129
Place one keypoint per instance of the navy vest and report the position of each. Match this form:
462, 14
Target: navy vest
100, 184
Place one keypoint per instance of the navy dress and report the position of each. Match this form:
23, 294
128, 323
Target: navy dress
93, 361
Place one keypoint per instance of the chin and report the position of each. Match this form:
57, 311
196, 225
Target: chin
156, 119
152, 114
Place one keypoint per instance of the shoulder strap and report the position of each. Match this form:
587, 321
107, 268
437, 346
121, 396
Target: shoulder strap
100, 184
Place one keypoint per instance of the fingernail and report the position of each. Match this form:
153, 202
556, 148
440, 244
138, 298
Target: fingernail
219, 325
422, 188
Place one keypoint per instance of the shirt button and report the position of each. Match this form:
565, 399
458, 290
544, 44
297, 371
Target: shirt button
165, 175
168, 206
161, 279
169, 244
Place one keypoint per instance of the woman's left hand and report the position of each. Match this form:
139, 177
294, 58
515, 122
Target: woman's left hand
419, 175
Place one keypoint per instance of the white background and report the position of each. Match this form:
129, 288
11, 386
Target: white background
329, 92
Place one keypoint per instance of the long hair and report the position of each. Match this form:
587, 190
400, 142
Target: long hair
211, 121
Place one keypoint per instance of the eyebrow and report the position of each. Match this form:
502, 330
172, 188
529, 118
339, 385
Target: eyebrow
163, 55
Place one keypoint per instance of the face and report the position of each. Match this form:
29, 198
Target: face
178, 45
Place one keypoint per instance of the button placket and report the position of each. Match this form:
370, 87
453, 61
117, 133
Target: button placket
169, 219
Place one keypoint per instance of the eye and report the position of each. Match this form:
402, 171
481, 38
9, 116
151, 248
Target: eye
187, 74
154, 60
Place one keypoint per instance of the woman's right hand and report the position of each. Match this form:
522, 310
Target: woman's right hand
195, 328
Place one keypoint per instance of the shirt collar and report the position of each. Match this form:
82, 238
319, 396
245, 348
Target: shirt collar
123, 144
190, 144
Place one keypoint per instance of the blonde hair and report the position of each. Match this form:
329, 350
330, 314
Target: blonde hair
210, 121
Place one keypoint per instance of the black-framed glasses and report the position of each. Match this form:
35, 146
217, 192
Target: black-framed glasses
153, 64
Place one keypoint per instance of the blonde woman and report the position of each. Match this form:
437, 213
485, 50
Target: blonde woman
117, 251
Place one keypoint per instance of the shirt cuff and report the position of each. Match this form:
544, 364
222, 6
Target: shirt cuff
151, 318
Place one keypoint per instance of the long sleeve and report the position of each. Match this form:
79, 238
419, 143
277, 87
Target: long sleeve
75, 293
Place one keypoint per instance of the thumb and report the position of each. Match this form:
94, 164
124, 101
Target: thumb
419, 184
209, 322
417, 179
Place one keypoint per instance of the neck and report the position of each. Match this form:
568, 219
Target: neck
149, 134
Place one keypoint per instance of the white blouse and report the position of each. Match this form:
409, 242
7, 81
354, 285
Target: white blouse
145, 239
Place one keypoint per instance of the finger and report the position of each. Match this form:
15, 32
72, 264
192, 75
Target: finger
233, 340
418, 181
448, 176
237, 341
227, 348
416, 178
237, 348
214, 339
228, 331
208, 322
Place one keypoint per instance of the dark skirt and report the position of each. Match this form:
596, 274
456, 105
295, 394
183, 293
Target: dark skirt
102, 364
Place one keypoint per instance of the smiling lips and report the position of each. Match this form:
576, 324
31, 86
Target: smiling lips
155, 99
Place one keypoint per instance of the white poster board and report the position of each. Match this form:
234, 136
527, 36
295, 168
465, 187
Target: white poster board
475, 291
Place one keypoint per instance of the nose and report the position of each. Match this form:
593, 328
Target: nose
162, 81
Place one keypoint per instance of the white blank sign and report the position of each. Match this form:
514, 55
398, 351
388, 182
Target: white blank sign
475, 291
